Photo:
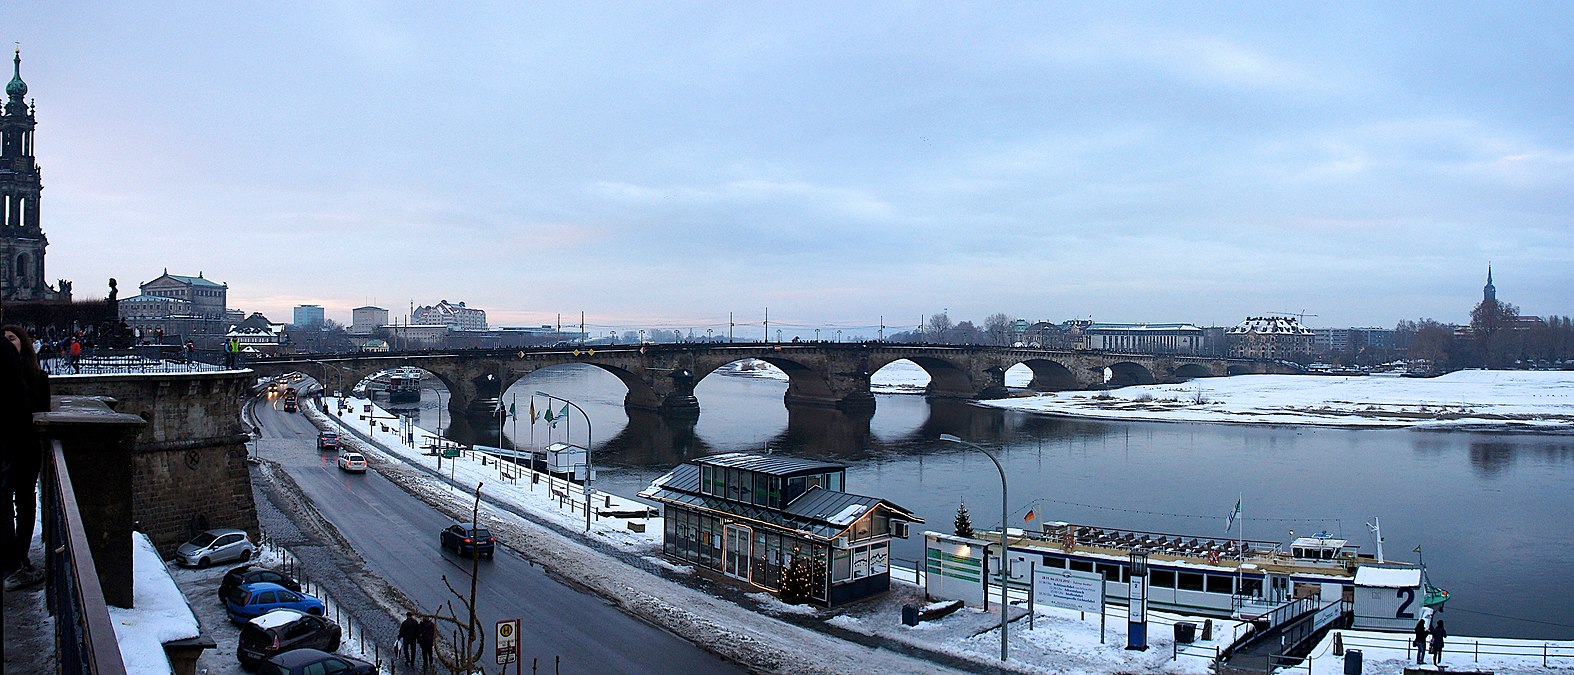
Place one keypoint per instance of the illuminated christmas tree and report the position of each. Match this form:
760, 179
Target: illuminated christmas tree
964, 522
801, 578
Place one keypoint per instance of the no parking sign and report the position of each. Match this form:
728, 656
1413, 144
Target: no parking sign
507, 641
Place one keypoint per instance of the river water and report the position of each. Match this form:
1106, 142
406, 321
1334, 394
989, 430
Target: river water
1489, 511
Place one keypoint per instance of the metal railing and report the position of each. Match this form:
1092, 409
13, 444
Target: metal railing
84, 633
1551, 655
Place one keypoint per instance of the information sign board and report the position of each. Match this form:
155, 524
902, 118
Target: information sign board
1081, 591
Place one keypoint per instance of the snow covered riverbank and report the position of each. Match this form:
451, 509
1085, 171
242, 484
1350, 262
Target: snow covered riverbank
1469, 399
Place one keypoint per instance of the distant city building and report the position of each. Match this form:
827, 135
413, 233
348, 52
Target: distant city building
365, 320
372, 345
456, 315
308, 315
139, 307
208, 299
418, 336
22, 240
1269, 337
1352, 340
1144, 338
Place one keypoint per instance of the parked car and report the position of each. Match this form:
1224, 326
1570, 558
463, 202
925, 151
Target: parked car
466, 540
328, 440
249, 601
214, 546
251, 574
282, 630
352, 461
314, 662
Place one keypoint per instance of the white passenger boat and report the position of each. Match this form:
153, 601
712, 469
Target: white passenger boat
1241, 578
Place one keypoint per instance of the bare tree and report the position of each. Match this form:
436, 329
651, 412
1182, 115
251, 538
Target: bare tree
997, 328
939, 327
467, 642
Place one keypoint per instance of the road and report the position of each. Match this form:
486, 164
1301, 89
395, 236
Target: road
396, 534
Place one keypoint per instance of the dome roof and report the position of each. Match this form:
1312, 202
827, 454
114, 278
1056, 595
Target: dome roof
16, 88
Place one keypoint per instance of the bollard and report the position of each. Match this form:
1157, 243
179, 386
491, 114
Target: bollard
1338, 643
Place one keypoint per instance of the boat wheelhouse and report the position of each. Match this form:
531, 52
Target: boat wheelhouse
404, 385
749, 516
1203, 575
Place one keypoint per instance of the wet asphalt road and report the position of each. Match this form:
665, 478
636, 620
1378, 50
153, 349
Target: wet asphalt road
397, 536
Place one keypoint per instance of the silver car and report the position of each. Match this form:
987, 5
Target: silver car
217, 545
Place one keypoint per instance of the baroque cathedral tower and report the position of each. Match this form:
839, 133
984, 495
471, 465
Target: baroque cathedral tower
22, 241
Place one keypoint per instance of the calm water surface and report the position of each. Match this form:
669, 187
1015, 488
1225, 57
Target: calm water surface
1491, 512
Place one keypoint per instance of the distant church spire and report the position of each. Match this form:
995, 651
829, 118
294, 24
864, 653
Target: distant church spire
1489, 292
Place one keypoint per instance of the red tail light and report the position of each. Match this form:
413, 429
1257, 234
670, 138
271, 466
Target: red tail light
467, 540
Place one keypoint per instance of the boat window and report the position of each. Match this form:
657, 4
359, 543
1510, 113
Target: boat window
795, 487
833, 481
762, 486
1161, 578
1082, 565
815, 481
1057, 563
1251, 587
1218, 583
1110, 572
1189, 581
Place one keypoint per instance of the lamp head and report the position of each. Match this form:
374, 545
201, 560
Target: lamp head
950, 438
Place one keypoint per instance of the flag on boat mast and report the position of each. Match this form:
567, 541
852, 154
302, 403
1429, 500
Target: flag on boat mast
532, 410
1030, 516
1229, 522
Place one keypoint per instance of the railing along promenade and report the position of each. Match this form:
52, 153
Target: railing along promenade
87, 528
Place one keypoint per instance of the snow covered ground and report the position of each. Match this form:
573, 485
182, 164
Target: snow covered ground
1466, 399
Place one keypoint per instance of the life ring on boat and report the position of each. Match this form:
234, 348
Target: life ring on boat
1069, 540
1213, 557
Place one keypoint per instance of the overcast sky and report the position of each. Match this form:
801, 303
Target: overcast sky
664, 164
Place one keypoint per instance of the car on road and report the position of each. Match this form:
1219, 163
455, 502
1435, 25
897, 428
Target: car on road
216, 546
251, 574
282, 630
466, 540
249, 601
352, 461
328, 440
314, 662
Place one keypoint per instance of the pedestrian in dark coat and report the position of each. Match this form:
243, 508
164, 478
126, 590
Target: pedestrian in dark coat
409, 635
1438, 633
23, 457
428, 638
1420, 641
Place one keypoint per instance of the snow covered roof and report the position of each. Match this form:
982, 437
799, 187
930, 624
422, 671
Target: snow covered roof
1269, 325
1388, 577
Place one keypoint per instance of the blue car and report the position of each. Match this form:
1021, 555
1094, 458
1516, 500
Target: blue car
248, 601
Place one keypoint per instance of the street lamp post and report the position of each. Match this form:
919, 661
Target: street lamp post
816, 335
588, 442
1003, 558
838, 336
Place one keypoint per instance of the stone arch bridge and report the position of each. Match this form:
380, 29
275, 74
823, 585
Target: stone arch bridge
662, 377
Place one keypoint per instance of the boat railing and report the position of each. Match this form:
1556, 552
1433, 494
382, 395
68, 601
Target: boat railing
1154, 542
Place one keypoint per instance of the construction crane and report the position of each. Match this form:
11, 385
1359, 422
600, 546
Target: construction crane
1300, 316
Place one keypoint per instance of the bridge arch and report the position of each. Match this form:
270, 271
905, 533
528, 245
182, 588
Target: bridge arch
1050, 375
1128, 373
1192, 371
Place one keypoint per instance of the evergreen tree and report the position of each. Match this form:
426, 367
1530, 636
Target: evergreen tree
798, 580
964, 522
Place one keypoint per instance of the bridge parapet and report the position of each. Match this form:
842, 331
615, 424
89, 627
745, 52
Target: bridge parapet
662, 378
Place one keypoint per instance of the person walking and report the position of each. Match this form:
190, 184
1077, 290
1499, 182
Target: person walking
428, 638
409, 635
76, 355
1420, 641
1438, 633
26, 392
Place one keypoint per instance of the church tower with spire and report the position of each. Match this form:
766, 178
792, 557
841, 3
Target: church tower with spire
22, 240
1489, 292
